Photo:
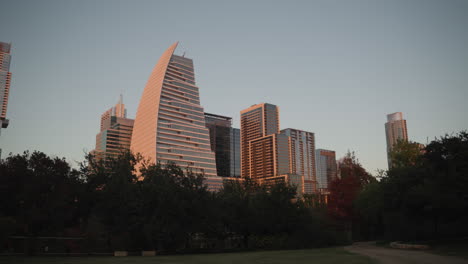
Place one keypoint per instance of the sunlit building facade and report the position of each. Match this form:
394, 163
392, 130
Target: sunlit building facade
395, 129
257, 122
5, 81
302, 158
325, 162
170, 123
116, 132
269, 156
265, 153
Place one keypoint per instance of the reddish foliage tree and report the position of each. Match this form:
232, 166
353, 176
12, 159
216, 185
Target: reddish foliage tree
344, 190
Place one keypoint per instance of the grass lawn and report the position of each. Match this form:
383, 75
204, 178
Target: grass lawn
324, 255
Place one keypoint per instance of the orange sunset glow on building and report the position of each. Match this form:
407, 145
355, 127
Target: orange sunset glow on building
170, 122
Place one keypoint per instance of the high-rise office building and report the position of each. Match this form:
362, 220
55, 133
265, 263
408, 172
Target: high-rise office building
5, 81
302, 159
395, 129
116, 132
170, 123
258, 121
220, 141
325, 162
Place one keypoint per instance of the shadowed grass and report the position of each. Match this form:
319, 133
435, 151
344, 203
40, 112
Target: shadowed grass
323, 256
451, 249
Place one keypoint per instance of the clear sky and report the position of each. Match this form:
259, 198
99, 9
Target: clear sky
335, 68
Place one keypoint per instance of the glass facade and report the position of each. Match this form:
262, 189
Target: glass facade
235, 152
325, 162
220, 142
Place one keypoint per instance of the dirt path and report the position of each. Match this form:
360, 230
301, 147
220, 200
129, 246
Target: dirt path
394, 256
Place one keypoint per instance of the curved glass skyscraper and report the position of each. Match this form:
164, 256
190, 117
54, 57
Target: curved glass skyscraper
170, 123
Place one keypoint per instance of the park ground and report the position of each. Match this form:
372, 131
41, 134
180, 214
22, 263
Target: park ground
325, 256
358, 253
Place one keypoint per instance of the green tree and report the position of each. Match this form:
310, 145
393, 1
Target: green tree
424, 196
406, 153
446, 159
369, 206
41, 194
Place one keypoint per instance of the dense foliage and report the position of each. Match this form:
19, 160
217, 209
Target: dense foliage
424, 195
112, 206
344, 191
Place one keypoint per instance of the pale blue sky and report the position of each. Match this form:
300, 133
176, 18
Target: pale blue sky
335, 68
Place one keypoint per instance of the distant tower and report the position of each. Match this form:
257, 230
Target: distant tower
326, 168
5, 80
395, 129
303, 157
118, 111
116, 132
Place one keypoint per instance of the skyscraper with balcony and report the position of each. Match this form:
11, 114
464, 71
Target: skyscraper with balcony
395, 129
5, 81
116, 132
302, 149
269, 156
170, 123
325, 162
257, 149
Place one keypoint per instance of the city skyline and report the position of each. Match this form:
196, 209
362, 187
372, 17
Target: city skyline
340, 92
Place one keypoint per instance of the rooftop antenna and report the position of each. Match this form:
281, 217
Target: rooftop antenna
120, 98
183, 55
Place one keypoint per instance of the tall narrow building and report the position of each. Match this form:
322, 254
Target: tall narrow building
235, 152
5, 81
302, 160
116, 132
220, 141
395, 129
257, 122
170, 123
325, 162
